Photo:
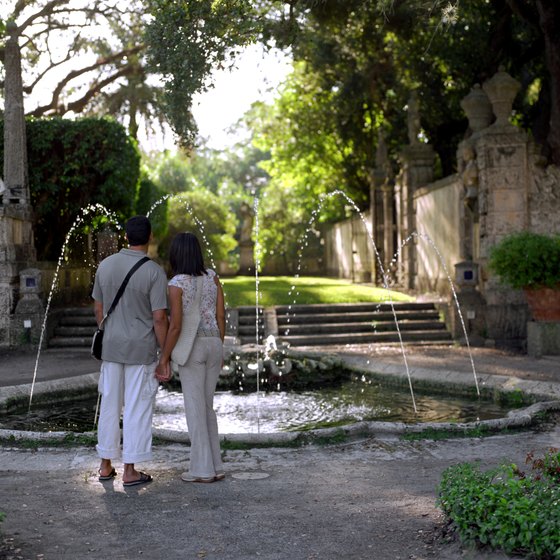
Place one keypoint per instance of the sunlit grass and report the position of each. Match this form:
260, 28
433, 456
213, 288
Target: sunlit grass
275, 290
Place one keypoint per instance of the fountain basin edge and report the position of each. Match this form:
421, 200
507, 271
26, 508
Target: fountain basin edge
546, 394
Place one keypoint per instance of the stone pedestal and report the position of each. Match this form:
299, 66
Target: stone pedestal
471, 306
543, 338
29, 314
246, 258
16, 252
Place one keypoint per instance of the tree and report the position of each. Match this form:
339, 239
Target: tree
93, 53
205, 215
189, 39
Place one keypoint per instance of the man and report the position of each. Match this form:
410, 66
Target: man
133, 331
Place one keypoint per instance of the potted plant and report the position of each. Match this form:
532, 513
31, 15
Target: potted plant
531, 262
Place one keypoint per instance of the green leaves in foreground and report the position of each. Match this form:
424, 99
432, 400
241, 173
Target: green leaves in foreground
506, 508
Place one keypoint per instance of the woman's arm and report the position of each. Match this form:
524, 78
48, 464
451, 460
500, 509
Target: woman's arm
220, 309
173, 332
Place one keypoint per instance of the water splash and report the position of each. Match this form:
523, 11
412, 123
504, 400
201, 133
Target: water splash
89, 209
427, 238
257, 307
385, 279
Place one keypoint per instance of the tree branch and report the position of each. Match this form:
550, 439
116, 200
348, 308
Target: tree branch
54, 103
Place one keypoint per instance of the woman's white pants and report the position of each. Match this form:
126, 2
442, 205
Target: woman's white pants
199, 377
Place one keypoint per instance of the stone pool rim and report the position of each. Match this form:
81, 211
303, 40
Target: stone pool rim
545, 393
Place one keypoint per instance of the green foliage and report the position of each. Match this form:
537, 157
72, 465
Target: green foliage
506, 508
527, 260
286, 290
148, 195
73, 163
186, 40
437, 435
204, 214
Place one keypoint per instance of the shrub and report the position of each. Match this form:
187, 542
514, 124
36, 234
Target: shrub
527, 260
506, 508
73, 163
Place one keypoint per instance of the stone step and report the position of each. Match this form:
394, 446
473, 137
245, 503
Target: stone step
78, 311
352, 307
77, 320
428, 314
387, 326
365, 338
68, 332
69, 341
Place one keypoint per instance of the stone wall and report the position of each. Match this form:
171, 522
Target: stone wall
438, 213
348, 249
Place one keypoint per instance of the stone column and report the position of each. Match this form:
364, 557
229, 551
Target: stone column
503, 182
246, 244
16, 234
381, 227
417, 169
15, 147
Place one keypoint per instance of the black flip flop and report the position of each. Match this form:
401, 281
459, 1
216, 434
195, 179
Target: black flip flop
144, 478
109, 476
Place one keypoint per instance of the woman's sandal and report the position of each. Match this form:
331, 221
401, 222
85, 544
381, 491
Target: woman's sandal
190, 478
220, 476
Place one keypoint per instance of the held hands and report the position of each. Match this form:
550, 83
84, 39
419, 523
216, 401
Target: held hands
163, 371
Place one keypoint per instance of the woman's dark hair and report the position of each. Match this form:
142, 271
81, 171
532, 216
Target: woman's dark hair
185, 255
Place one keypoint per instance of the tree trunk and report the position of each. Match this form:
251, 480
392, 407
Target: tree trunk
549, 19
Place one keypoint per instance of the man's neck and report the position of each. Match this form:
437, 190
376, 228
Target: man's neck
139, 248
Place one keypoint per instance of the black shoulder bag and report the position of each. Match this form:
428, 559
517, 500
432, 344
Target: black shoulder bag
97, 342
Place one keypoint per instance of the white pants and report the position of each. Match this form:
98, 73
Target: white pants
199, 377
134, 387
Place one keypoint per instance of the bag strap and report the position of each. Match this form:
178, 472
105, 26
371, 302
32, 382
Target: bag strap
123, 286
198, 295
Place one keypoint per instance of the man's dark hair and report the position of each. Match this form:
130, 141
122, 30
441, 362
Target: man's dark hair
185, 255
138, 230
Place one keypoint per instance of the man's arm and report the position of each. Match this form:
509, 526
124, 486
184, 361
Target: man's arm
98, 309
160, 325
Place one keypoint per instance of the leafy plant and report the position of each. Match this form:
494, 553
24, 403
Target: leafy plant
527, 259
73, 163
506, 508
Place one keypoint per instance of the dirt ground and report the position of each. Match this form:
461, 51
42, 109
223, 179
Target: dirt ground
368, 499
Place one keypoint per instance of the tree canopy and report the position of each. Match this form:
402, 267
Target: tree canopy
93, 54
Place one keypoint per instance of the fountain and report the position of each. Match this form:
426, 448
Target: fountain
279, 367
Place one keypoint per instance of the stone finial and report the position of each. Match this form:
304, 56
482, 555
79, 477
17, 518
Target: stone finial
381, 153
501, 90
478, 108
413, 119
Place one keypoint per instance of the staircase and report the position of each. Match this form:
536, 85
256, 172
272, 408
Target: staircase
362, 323
300, 325
75, 328
247, 325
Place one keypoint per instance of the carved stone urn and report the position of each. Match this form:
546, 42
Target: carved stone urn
501, 90
478, 109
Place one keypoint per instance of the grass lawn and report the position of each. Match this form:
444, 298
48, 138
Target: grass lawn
275, 290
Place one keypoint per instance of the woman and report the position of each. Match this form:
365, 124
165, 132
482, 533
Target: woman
199, 375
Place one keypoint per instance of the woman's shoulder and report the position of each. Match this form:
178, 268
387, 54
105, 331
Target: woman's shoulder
210, 273
179, 280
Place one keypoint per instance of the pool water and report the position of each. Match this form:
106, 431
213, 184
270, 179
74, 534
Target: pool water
278, 411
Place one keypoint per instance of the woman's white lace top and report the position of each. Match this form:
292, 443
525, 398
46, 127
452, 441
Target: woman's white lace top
208, 324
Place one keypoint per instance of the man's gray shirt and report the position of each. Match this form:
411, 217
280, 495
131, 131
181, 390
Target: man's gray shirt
129, 331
